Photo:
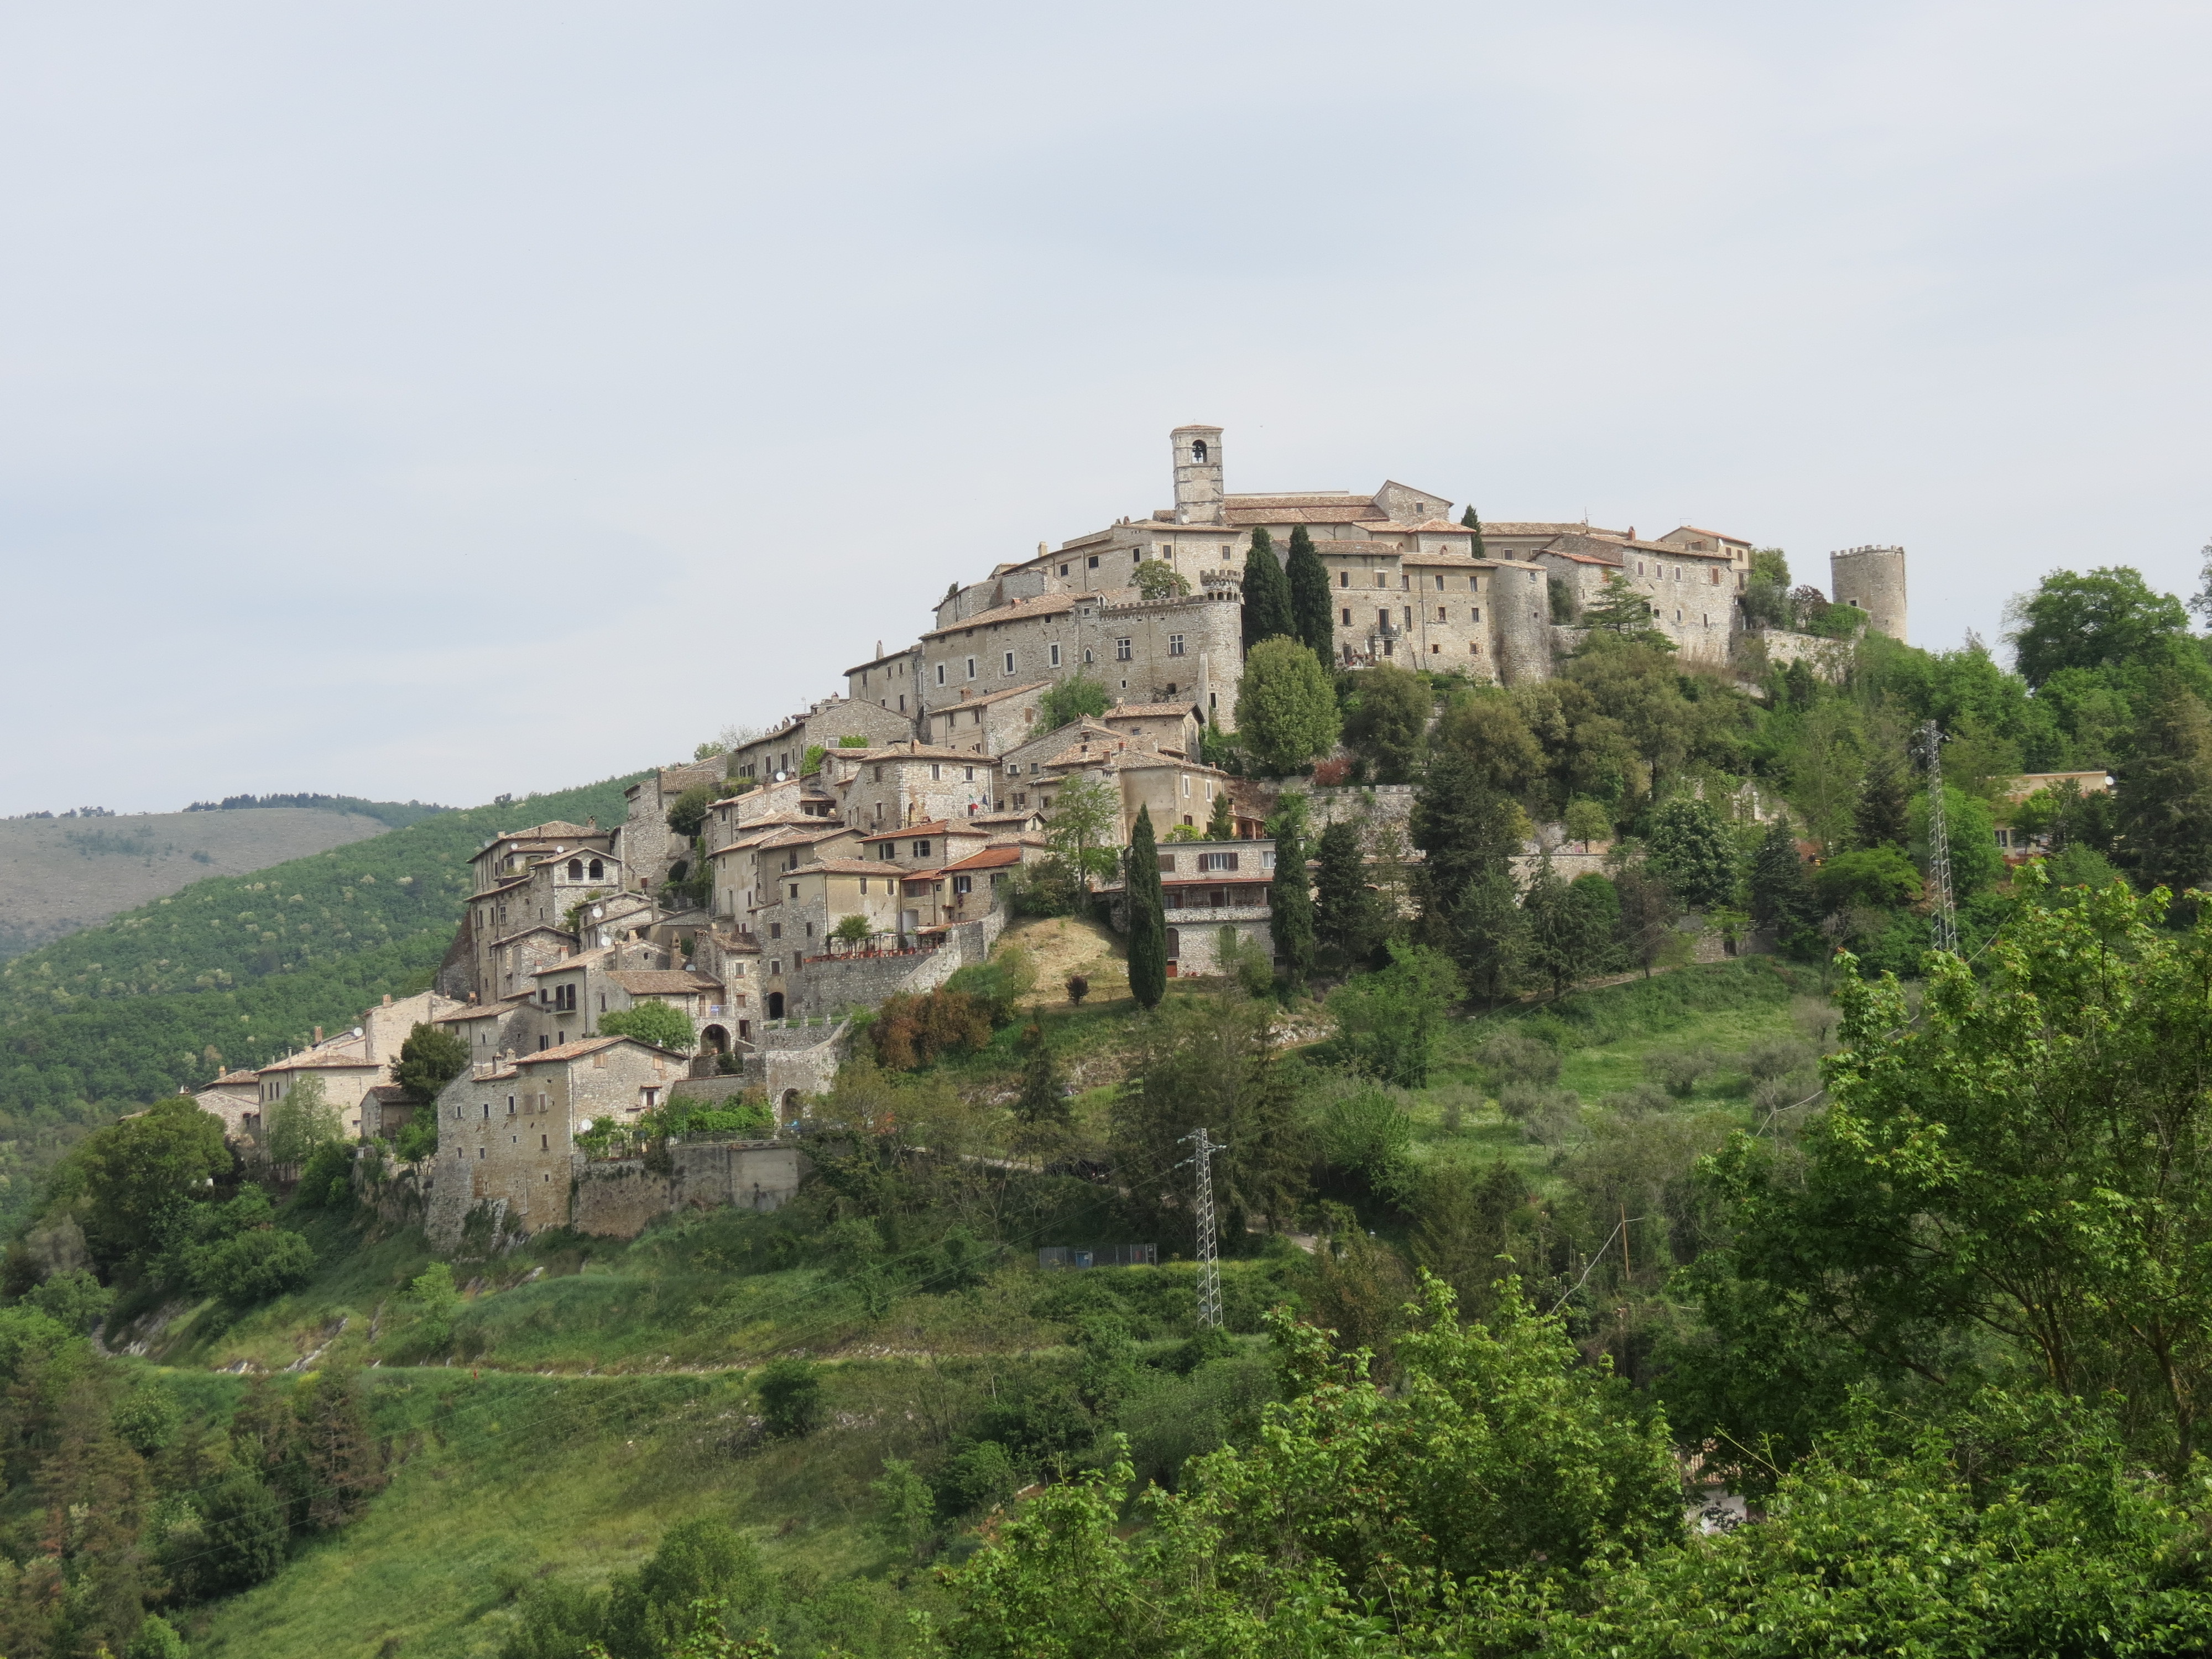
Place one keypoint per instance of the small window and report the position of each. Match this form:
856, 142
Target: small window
936, 771
1440, 579
970, 774
964, 885
775, 930
1063, 570
1175, 645
1347, 616
599, 870
1167, 864
575, 869
1010, 662
1209, 861
940, 673
1055, 650
921, 849
1344, 578
971, 668
1121, 651
1094, 561
1475, 614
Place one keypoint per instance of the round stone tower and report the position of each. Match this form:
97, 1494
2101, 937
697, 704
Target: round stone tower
1872, 579
1520, 608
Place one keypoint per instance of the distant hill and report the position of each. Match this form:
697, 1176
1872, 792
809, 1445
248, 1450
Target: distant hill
59, 875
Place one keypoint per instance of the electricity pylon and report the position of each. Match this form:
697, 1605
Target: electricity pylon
1209, 1265
1939, 840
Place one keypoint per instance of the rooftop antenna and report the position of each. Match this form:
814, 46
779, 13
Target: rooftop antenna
1209, 1265
1939, 840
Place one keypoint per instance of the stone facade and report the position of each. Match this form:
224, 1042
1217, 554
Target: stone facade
1872, 579
1206, 887
618, 1199
826, 724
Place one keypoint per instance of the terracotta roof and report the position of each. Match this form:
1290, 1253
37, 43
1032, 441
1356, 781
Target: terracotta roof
991, 858
1023, 815
1044, 604
235, 1077
582, 958
1455, 560
934, 827
994, 696
909, 752
1534, 527
904, 651
661, 981
534, 928
556, 831
1581, 558
390, 1091
488, 1011
851, 868
1717, 535
576, 1050
324, 1060
1300, 498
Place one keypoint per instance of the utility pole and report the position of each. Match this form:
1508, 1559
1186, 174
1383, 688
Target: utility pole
1209, 1266
1939, 840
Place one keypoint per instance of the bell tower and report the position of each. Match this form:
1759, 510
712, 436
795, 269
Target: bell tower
1197, 497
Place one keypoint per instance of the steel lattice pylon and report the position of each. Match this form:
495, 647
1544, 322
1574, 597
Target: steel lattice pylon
1209, 1265
1939, 840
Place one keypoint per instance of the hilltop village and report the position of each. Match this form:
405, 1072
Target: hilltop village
912, 800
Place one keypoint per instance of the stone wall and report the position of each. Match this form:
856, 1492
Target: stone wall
1826, 657
619, 1197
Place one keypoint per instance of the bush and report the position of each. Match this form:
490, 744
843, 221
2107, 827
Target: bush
1388, 1022
791, 1399
326, 1181
244, 1537
419, 1140
1046, 887
1774, 1057
1520, 1059
253, 1266
656, 1022
1072, 700
909, 1032
148, 1418
997, 985
157, 1638
975, 1477
748, 1116
1078, 988
1365, 1132
1524, 1102
1678, 1070
1879, 877
1557, 1123
75, 1300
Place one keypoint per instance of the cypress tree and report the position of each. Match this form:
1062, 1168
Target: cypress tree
1148, 924
1880, 815
1221, 822
1780, 895
1290, 902
1311, 608
1345, 915
1041, 1101
1473, 523
1267, 593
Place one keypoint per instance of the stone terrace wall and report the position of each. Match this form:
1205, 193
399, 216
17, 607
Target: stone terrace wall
619, 1197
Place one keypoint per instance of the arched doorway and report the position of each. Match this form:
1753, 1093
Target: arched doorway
775, 1005
791, 1113
1174, 950
715, 1040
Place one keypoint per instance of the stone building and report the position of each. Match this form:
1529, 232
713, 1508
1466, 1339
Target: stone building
878, 789
647, 846
349, 1065
992, 722
1174, 728
833, 723
507, 1129
1206, 887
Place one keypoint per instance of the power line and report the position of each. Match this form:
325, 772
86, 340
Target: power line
1939, 840
1209, 1265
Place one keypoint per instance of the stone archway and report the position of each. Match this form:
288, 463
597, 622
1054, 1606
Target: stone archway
715, 1040
775, 1005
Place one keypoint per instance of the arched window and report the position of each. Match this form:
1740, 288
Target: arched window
575, 869
1198, 450
598, 869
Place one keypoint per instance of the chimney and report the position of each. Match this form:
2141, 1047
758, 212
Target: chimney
319, 1034
591, 823
387, 999
879, 649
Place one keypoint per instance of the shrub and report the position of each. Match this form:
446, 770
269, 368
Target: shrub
1070, 699
688, 812
975, 1477
851, 930
326, 1181
1774, 1057
242, 1541
437, 1304
1078, 988
430, 1059
656, 1023
1046, 887
1881, 877
791, 1399
909, 1032
148, 1418
1557, 1123
418, 1140
997, 985
1520, 1059
748, 1115
1678, 1070
305, 1118
1389, 1021
74, 1299
253, 1266
1365, 1132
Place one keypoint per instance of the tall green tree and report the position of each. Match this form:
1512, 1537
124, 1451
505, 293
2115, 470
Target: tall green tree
141, 1183
1882, 814
1313, 608
1290, 905
343, 1461
1781, 898
1570, 926
1221, 821
2017, 1177
1085, 815
2108, 619
1267, 593
1620, 611
429, 1059
1387, 724
2164, 808
1148, 926
1473, 522
1388, 1022
1348, 922
1287, 713
1043, 1100
1692, 849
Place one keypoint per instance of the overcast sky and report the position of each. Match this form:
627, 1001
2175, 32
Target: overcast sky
439, 401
